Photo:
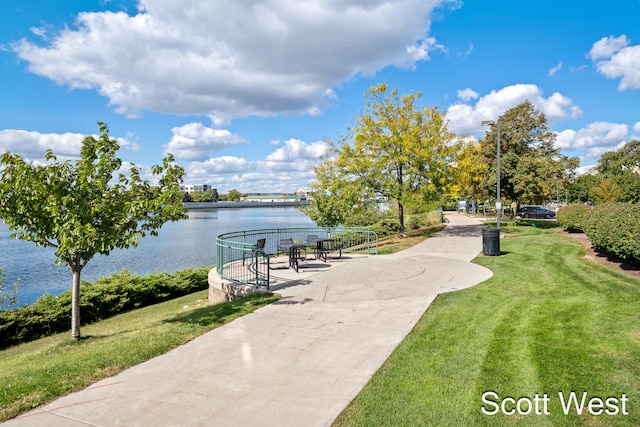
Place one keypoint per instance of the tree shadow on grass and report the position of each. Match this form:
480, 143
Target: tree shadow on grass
545, 224
225, 311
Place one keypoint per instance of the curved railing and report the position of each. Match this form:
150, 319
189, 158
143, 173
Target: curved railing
240, 259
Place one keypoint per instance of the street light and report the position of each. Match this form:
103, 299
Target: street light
498, 202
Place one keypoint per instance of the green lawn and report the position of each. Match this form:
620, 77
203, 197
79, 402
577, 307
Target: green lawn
37, 372
547, 322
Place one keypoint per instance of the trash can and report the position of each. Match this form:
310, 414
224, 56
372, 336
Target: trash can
491, 241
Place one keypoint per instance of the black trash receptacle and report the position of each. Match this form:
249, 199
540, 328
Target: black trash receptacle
491, 241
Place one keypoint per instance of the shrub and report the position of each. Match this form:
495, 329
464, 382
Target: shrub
385, 227
615, 229
104, 298
571, 217
417, 221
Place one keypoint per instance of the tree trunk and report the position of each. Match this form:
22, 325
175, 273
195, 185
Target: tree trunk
75, 305
400, 219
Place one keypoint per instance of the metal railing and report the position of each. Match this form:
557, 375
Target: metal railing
239, 259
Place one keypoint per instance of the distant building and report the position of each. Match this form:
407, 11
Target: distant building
277, 197
190, 188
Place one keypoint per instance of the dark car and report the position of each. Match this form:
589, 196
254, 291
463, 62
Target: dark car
535, 212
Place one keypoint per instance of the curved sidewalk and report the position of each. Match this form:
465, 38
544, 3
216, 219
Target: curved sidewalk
297, 362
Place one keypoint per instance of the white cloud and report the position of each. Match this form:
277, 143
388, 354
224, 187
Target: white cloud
33, 145
468, 52
581, 170
295, 155
218, 165
420, 52
595, 139
194, 141
607, 46
466, 119
636, 130
555, 69
574, 69
39, 31
467, 94
288, 168
614, 58
230, 58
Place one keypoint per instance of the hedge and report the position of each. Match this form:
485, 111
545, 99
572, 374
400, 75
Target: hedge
571, 217
104, 298
615, 229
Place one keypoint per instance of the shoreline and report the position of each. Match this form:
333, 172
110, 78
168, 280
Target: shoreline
218, 205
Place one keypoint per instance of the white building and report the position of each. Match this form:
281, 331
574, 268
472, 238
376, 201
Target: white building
190, 188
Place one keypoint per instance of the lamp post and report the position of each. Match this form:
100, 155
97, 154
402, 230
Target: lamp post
498, 202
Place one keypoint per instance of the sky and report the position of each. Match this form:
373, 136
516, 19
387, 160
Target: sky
245, 93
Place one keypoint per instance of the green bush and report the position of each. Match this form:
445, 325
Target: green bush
571, 217
385, 227
615, 229
417, 221
104, 298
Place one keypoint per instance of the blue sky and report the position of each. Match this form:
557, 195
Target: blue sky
245, 93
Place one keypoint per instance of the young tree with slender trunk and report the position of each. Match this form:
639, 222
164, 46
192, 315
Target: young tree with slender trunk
82, 208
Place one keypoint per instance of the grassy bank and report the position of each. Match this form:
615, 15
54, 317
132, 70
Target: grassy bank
393, 244
37, 372
547, 322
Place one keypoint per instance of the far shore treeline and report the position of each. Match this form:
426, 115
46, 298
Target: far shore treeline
225, 205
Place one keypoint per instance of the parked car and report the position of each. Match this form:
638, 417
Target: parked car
535, 212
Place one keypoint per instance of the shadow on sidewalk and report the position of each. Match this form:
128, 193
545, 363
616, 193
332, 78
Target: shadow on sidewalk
474, 230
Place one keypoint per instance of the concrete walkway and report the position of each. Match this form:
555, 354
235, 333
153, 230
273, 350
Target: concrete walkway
297, 362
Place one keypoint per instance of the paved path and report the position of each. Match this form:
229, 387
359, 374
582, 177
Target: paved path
297, 362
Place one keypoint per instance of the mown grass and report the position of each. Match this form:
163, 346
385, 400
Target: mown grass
34, 373
549, 321
392, 244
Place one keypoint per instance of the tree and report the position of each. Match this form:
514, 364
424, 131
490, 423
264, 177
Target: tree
625, 160
580, 188
82, 209
606, 191
469, 171
532, 170
336, 197
629, 184
234, 195
395, 150
623, 166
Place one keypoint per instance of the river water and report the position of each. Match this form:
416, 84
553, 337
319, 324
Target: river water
179, 245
